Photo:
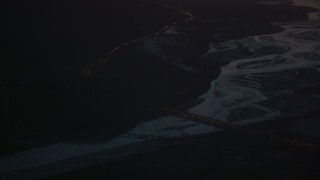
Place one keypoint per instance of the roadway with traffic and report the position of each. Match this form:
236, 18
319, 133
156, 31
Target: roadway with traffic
88, 69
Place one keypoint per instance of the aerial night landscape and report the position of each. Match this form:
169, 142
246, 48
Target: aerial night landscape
160, 89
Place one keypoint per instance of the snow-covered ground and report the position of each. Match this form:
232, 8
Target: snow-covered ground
242, 85
310, 3
246, 84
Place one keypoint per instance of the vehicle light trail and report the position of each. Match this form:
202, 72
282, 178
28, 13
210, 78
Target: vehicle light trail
88, 69
113, 51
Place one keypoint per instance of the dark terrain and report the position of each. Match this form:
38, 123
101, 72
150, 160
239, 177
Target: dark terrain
224, 155
46, 97
44, 94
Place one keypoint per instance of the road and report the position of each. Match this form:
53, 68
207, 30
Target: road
88, 69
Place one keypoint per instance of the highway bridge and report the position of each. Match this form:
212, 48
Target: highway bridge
227, 125
142, 136
186, 115
219, 124
202, 119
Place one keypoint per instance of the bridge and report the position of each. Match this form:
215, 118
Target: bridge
202, 119
219, 124
142, 136
185, 115
226, 125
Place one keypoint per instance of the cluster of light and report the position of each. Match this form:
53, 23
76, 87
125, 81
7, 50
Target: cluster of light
87, 70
